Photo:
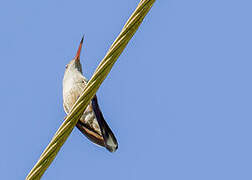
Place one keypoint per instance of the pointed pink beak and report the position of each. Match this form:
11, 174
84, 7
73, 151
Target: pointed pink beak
77, 57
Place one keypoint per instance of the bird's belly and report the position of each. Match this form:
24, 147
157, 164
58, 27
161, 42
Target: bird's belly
88, 117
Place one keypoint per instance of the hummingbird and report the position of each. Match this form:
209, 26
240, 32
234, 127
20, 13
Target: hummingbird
92, 123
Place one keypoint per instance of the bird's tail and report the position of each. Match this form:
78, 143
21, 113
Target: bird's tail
110, 141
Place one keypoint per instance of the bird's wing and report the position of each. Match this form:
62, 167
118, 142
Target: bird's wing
108, 136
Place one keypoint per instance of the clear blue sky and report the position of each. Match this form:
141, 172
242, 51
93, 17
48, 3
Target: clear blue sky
188, 116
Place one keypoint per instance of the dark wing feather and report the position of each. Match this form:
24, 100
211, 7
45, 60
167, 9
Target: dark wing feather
108, 136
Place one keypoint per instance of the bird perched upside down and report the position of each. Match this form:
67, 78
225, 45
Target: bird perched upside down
91, 124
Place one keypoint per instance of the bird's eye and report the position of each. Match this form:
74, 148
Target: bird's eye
67, 66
